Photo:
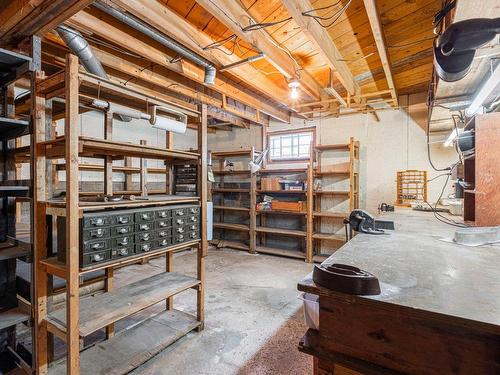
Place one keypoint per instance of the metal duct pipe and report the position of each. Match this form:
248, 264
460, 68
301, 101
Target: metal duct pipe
80, 47
136, 24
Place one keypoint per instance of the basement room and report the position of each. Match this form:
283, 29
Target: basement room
249, 187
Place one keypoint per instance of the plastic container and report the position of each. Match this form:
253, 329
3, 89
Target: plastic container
311, 309
456, 207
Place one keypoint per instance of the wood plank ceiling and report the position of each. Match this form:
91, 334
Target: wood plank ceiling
406, 26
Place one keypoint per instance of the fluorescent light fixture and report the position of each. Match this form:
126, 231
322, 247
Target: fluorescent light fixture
294, 85
451, 138
485, 91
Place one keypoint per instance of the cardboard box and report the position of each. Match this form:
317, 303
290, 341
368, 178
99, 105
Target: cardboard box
288, 206
270, 183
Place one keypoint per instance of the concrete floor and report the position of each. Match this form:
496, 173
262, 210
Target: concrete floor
253, 318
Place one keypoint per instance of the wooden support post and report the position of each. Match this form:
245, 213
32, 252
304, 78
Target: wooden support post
169, 178
39, 229
309, 216
108, 286
253, 218
128, 176
169, 267
202, 188
72, 217
144, 174
108, 160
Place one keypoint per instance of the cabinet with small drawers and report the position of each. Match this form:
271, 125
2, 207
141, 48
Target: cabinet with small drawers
107, 236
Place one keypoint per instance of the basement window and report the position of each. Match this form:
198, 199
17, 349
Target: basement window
290, 146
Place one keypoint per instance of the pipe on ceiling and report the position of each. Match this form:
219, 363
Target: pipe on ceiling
178, 48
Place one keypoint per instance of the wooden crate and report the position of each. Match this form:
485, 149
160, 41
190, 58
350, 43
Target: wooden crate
288, 206
270, 183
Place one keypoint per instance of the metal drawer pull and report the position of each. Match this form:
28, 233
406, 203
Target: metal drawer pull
123, 251
179, 213
163, 214
162, 234
163, 224
124, 241
180, 221
193, 235
180, 230
194, 219
97, 257
144, 227
123, 230
145, 216
123, 219
145, 236
192, 227
97, 233
97, 245
97, 221
164, 242
180, 237
194, 210
145, 247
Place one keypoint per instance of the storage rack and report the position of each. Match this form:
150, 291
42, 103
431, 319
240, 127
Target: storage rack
411, 186
15, 243
242, 187
79, 318
324, 200
311, 217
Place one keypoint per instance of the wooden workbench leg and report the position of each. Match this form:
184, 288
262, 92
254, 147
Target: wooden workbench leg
200, 300
169, 267
72, 218
108, 286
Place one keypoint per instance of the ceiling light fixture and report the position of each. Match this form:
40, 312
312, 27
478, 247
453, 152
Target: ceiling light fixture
294, 85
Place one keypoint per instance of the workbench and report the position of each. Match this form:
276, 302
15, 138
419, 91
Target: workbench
438, 311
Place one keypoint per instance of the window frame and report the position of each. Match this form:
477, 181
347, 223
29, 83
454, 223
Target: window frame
270, 160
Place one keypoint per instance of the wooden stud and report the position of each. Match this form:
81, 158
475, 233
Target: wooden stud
108, 160
72, 217
309, 217
169, 172
253, 202
169, 267
108, 286
144, 173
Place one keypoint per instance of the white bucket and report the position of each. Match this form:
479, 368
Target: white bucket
311, 309
456, 207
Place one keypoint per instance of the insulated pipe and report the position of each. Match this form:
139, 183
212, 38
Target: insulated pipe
136, 24
80, 47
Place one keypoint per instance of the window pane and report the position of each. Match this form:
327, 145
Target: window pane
286, 152
290, 146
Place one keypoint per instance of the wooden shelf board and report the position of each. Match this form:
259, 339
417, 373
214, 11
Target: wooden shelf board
95, 147
12, 317
101, 310
233, 245
340, 147
57, 268
332, 192
134, 346
230, 190
240, 227
223, 154
333, 173
231, 208
116, 168
281, 231
14, 251
281, 191
328, 237
283, 170
12, 128
282, 212
281, 252
337, 215
231, 172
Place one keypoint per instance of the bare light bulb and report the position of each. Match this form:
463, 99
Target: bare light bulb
294, 94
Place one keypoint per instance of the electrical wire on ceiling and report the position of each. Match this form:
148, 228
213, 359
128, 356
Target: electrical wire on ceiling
332, 19
263, 25
219, 43
411, 43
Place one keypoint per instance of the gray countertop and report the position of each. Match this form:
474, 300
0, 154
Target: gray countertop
419, 271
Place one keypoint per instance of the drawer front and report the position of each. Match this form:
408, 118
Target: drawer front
144, 227
163, 213
192, 227
122, 240
179, 221
95, 257
144, 237
95, 245
122, 251
193, 210
180, 238
163, 233
193, 219
121, 230
95, 233
144, 248
163, 242
193, 235
163, 223
123, 218
96, 221
144, 216
179, 212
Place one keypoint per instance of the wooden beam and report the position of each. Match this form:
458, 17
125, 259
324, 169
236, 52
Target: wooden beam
378, 34
322, 41
235, 17
88, 22
20, 19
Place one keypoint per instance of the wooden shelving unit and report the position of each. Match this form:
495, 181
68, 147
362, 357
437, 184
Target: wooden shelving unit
82, 317
333, 204
310, 219
411, 186
236, 182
